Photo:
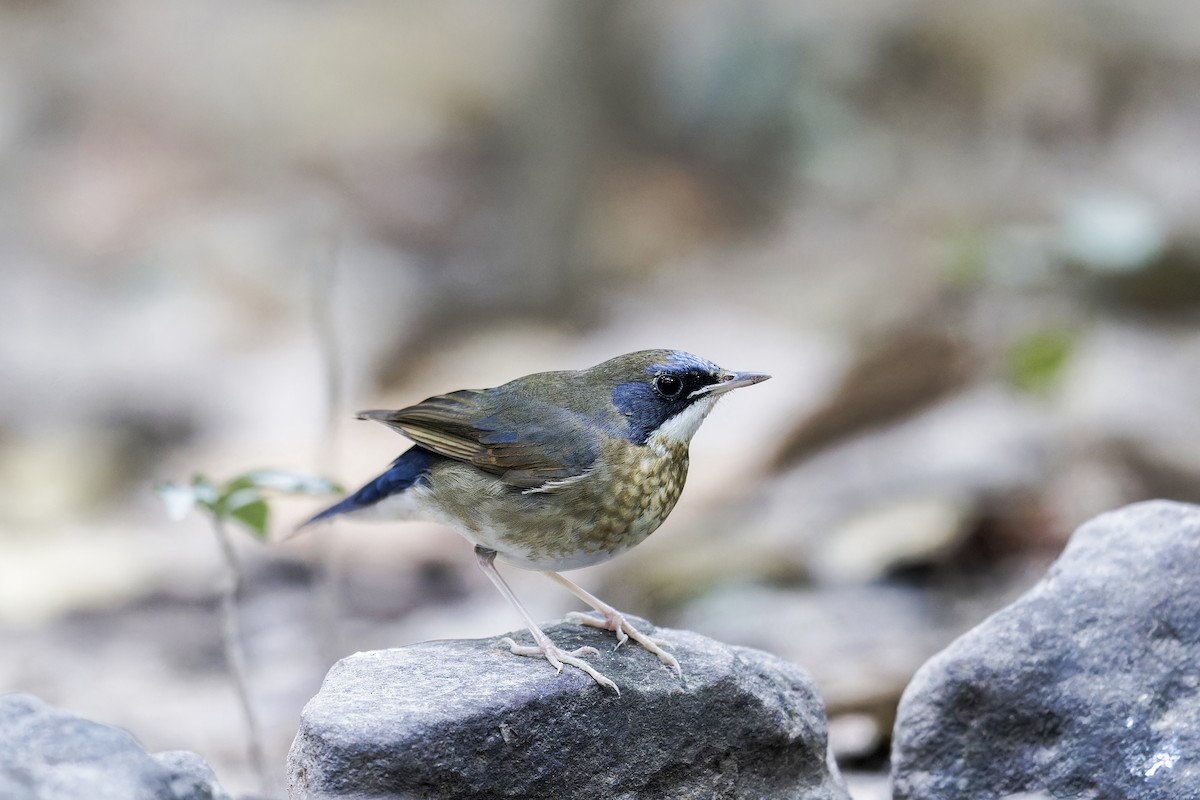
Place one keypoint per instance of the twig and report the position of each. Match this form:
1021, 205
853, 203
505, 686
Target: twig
236, 656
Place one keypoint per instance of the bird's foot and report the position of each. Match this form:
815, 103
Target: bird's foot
558, 657
613, 620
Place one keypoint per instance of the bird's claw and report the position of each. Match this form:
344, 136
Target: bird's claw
558, 657
603, 623
617, 623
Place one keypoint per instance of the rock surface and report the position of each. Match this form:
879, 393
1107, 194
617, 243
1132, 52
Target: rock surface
1087, 687
466, 718
48, 754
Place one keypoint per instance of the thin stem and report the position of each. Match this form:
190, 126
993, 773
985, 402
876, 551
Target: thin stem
236, 656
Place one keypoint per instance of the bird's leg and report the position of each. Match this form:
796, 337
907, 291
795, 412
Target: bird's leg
543, 647
613, 620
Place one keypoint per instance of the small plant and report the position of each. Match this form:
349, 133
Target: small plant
242, 500
1035, 361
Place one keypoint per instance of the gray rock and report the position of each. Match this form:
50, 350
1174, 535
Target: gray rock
863, 642
48, 754
191, 776
451, 719
1085, 687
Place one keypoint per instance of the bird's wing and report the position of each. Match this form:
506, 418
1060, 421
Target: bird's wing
525, 441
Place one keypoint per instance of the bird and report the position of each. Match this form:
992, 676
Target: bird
552, 472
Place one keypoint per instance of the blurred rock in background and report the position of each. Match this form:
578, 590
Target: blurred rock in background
962, 238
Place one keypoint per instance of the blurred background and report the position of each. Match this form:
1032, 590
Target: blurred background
963, 238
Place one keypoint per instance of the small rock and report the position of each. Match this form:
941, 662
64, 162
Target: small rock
869, 786
1134, 390
855, 736
191, 776
466, 718
47, 754
1112, 233
863, 642
869, 544
1085, 687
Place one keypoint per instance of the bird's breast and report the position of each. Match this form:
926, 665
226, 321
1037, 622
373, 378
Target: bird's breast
578, 522
642, 486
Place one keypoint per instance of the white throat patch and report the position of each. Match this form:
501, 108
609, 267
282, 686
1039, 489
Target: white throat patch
680, 428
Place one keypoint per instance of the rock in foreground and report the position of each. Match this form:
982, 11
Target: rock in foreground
48, 754
452, 719
1086, 687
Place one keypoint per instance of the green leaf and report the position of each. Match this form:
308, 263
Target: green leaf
178, 499
235, 498
1036, 360
240, 499
253, 515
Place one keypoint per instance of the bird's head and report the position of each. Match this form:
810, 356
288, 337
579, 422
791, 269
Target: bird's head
664, 393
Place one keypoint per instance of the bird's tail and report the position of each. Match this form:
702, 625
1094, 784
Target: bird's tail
405, 472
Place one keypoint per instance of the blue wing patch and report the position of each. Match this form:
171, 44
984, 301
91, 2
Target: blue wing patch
406, 471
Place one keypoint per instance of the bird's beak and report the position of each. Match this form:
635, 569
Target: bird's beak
728, 381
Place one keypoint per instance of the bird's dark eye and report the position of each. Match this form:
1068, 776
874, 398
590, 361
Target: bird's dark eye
668, 385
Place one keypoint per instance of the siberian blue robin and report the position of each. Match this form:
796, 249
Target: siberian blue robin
553, 471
